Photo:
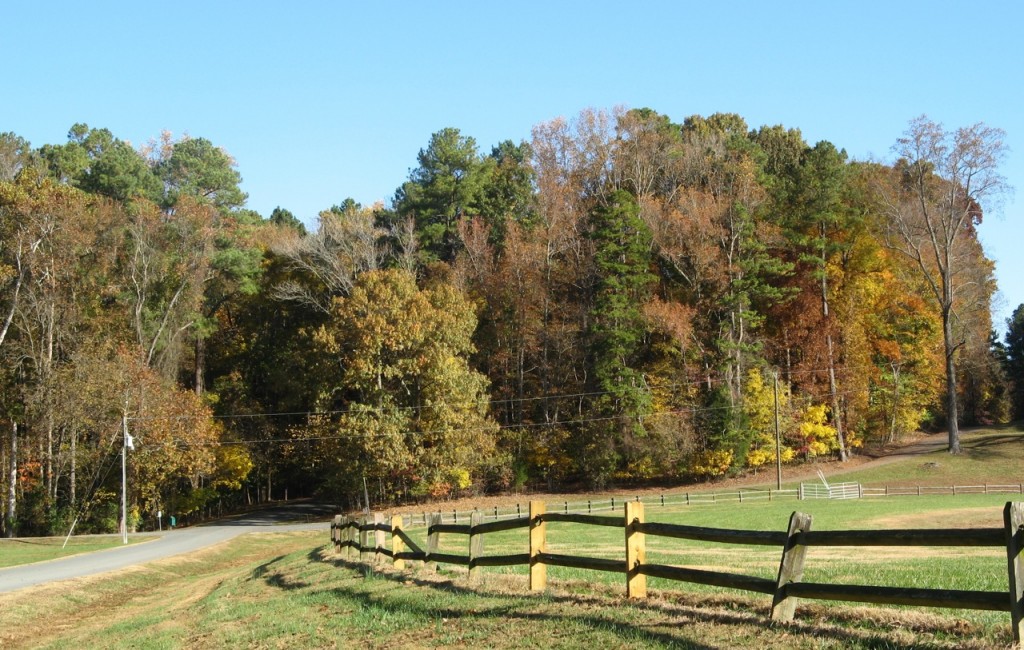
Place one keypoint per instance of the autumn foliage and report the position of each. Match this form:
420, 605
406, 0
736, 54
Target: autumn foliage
620, 299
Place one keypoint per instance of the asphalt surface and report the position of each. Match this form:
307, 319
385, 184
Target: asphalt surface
281, 518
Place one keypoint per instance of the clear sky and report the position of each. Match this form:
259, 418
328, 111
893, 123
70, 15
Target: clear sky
319, 101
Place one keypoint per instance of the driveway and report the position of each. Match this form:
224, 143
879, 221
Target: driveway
280, 518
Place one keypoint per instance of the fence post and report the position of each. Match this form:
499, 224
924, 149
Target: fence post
378, 537
433, 540
336, 532
636, 582
538, 530
364, 538
791, 568
397, 545
349, 536
476, 546
1013, 520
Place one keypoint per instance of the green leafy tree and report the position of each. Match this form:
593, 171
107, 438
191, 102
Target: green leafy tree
444, 189
622, 260
1014, 363
194, 166
415, 413
99, 163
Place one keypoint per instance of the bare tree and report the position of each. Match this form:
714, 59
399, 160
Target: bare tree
944, 178
346, 244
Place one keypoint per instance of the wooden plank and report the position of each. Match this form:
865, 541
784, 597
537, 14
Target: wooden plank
577, 562
906, 537
636, 551
364, 539
722, 535
538, 532
397, 544
411, 555
408, 541
454, 529
590, 520
476, 546
378, 537
517, 559
956, 599
1013, 525
714, 578
353, 538
791, 568
449, 558
433, 539
507, 524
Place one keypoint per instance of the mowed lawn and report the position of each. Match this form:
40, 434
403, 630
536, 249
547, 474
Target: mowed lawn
24, 550
293, 589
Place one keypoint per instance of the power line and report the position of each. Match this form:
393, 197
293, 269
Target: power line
465, 404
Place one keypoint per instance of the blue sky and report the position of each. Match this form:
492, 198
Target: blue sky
319, 101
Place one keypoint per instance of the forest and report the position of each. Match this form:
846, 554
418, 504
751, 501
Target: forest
620, 300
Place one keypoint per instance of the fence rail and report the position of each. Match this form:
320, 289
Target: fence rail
353, 536
686, 499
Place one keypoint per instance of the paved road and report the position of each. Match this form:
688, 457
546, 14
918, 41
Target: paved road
283, 518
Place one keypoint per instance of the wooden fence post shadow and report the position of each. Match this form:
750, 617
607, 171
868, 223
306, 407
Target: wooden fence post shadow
397, 545
1013, 520
636, 551
538, 530
791, 568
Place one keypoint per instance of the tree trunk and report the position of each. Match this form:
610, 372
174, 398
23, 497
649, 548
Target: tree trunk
12, 489
832, 387
951, 402
200, 365
72, 492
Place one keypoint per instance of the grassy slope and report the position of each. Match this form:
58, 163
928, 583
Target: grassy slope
306, 596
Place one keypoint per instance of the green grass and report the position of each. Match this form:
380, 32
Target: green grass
290, 590
287, 590
992, 456
26, 550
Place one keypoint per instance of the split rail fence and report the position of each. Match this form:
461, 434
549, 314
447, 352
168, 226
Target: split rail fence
686, 499
367, 536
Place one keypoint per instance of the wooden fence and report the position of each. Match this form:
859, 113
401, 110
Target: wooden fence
354, 535
687, 499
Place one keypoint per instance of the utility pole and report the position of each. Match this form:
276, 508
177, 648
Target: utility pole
778, 438
126, 444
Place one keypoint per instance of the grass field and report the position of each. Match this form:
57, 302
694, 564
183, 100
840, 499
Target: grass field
24, 550
293, 590
290, 590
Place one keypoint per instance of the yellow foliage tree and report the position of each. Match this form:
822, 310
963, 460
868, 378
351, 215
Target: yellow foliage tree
759, 404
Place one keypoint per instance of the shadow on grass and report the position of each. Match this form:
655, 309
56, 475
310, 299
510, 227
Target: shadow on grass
708, 610
275, 579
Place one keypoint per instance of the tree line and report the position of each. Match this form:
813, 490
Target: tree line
620, 299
